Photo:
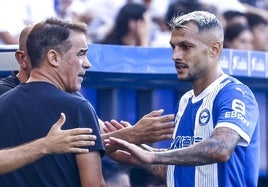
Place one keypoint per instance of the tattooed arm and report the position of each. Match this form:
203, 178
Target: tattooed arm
218, 148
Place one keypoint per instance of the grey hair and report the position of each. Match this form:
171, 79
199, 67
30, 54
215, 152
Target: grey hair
204, 21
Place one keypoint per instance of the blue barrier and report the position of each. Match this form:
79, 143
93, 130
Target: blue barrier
129, 59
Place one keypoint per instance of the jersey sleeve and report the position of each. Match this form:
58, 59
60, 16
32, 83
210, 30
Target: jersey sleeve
87, 118
238, 110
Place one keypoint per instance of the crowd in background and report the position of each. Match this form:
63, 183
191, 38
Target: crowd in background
139, 22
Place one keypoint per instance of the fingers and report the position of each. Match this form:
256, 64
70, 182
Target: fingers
155, 113
118, 141
124, 145
80, 137
161, 137
125, 123
83, 137
168, 125
165, 118
111, 126
166, 131
77, 131
76, 144
86, 142
115, 141
114, 125
78, 150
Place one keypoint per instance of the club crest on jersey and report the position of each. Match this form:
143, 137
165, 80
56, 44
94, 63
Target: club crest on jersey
204, 117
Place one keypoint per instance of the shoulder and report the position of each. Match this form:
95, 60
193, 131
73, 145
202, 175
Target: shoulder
8, 83
232, 85
236, 95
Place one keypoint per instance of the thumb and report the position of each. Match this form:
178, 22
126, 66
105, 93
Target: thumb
60, 121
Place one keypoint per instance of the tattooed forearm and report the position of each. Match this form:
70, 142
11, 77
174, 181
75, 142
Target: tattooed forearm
225, 141
218, 148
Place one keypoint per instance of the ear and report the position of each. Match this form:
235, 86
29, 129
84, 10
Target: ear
216, 48
53, 57
20, 57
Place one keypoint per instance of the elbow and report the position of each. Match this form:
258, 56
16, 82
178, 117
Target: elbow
224, 157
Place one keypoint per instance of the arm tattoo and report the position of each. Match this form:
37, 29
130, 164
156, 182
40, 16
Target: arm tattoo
218, 148
226, 139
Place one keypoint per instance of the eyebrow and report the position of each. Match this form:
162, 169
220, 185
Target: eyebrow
83, 51
179, 43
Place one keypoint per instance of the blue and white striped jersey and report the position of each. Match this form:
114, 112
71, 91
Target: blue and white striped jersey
225, 103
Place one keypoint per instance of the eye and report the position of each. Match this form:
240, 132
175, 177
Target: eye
185, 47
82, 53
172, 46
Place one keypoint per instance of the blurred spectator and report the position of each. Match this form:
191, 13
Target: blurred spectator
62, 9
38, 10
75, 10
238, 36
114, 174
223, 6
162, 35
260, 10
104, 12
132, 27
13, 18
231, 17
259, 29
186, 6
250, 2
159, 33
15, 15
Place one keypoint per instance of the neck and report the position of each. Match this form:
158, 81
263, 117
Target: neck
22, 76
201, 84
43, 76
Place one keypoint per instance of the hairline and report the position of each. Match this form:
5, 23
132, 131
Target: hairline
205, 22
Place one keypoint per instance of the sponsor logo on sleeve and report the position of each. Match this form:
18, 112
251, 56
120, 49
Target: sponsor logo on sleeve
238, 111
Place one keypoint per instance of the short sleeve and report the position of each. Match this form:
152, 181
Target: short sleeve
86, 117
237, 109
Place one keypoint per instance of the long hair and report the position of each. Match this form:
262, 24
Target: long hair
120, 29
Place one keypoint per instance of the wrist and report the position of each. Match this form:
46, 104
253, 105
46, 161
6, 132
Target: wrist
161, 150
135, 136
43, 146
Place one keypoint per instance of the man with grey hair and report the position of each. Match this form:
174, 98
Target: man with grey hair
58, 55
216, 139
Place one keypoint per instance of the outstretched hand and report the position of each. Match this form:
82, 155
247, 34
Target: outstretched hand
129, 153
113, 125
68, 141
154, 127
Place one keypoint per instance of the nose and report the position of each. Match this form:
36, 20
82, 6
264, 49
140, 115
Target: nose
87, 64
177, 54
